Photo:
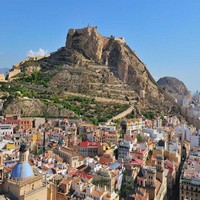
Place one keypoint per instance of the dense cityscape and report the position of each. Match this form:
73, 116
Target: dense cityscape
148, 157
83, 117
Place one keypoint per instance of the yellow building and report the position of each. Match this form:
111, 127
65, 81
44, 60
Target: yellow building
36, 137
104, 148
10, 146
171, 151
69, 155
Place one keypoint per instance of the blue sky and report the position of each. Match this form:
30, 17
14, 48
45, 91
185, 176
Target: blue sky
164, 33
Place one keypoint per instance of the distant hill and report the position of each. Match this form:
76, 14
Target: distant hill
4, 70
173, 86
92, 66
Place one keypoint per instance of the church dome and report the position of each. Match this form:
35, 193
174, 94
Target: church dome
22, 170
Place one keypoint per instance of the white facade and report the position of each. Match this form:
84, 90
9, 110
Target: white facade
108, 128
91, 162
185, 131
195, 139
6, 129
189, 134
154, 134
124, 150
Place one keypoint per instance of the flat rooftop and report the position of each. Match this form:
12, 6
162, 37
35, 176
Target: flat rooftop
191, 168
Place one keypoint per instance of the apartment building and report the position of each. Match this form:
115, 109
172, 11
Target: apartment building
190, 177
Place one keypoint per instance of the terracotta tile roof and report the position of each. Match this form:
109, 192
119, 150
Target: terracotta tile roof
76, 180
61, 196
136, 161
66, 181
89, 144
141, 194
96, 193
72, 171
86, 176
158, 184
169, 166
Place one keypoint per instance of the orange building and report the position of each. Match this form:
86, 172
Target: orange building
107, 158
110, 137
25, 124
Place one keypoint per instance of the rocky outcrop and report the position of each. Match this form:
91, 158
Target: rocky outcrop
4, 95
25, 107
173, 86
2, 77
104, 67
35, 107
112, 52
13, 73
29, 70
87, 41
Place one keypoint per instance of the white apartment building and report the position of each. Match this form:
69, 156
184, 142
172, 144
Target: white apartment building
6, 129
195, 139
154, 134
124, 150
188, 133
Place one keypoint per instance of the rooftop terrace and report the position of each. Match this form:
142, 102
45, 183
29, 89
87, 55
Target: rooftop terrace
191, 168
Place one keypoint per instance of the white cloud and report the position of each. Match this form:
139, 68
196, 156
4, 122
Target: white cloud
40, 52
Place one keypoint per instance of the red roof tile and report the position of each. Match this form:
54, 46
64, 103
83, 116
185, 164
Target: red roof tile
87, 143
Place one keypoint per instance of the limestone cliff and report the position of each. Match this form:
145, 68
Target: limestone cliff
114, 53
35, 107
87, 50
104, 67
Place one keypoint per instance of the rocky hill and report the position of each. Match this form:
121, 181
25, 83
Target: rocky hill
173, 86
98, 67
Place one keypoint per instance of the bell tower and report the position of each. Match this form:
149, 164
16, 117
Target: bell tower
159, 167
23, 153
1, 165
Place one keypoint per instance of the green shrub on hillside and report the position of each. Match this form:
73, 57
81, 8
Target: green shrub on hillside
16, 90
36, 77
149, 115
